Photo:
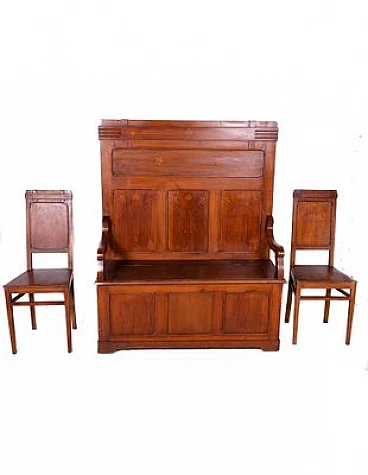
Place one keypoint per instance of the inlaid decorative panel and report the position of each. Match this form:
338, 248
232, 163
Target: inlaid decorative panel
132, 314
240, 220
135, 220
188, 220
316, 217
245, 312
181, 163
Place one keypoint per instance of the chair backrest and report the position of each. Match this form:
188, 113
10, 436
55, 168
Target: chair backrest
314, 222
49, 223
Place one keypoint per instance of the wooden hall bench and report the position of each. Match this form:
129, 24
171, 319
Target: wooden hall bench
184, 260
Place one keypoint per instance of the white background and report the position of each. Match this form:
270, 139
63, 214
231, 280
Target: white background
66, 65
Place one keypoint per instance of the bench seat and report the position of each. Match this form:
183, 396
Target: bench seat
201, 271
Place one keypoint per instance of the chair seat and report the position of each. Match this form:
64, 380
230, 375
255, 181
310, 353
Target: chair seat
38, 278
315, 273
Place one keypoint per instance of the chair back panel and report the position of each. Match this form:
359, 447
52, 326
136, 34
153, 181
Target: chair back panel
49, 223
314, 221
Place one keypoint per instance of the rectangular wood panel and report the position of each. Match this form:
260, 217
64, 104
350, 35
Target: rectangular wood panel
315, 228
55, 218
190, 313
132, 314
188, 220
135, 220
186, 163
246, 312
240, 215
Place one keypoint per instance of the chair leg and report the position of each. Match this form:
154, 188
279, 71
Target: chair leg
67, 303
33, 312
72, 304
327, 306
9, 308
288, 303
296, 315
351, 313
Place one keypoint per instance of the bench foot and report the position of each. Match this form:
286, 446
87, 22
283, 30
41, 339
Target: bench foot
105, 347
271, 346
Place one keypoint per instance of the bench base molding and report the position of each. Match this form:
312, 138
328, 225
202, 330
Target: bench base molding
105, 347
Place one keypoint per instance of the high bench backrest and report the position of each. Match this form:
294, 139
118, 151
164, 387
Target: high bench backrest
187, 190
314, 222
49, 223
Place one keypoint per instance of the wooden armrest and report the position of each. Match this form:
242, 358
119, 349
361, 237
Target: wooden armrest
102, 248
275, 247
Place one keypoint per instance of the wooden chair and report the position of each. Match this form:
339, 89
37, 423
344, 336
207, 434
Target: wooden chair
314, 223
49, 230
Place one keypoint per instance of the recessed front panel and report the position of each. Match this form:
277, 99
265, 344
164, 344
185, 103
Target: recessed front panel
135, 220
245, 312
314, 228
240, 221
190, 313
132, 314
188, 220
